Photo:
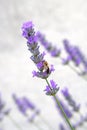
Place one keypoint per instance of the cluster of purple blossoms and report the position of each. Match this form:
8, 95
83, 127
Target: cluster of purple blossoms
3, 111
70, 100
75, 55
24, 105
33, 47
53, 90
53, 50
72, 52
38, 58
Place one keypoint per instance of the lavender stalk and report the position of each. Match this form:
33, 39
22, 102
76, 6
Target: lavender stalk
43, 69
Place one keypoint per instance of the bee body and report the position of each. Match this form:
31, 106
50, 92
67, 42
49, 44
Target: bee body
46, 67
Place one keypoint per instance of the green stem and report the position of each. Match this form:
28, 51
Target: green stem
66, 118
48, 84
58, 103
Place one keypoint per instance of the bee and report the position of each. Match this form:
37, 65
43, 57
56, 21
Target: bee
46, 67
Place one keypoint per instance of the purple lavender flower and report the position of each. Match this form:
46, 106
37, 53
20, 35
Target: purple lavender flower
70, 100
65, 108
43, 68
54, 51
52, 89
75, 55
72, 52
27, 29
3, 111
21, 104
37, 57
24, 105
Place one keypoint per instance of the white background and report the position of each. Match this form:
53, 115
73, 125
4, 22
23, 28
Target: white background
58, 19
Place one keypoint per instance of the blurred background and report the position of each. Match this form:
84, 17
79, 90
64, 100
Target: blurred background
58, 19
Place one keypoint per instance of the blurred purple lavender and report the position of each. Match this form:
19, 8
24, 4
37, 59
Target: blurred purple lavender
75, 55
53, 50
72, 52
70, 100
3, 111
24, 105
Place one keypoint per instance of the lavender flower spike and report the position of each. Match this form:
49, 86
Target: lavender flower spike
37, 57
24, 105
21, 104
70, 100
72, 52
52, 89
53, 50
